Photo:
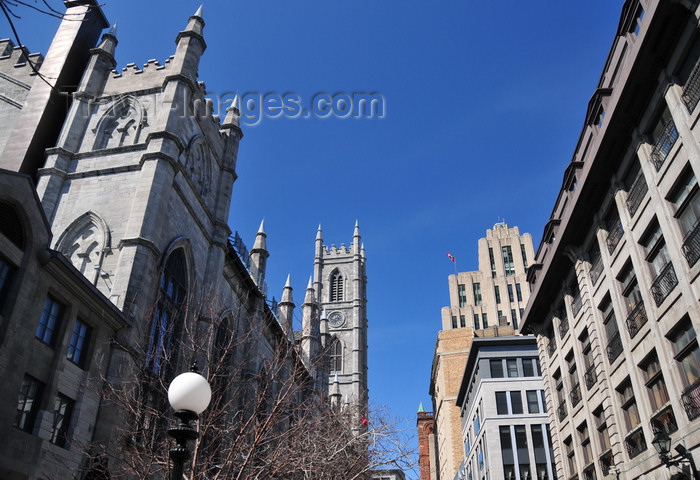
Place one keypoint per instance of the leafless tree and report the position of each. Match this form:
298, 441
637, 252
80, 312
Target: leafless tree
267, 419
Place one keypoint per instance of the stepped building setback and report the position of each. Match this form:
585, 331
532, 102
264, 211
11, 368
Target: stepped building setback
483, 303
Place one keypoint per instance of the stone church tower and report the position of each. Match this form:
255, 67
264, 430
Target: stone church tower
340, 283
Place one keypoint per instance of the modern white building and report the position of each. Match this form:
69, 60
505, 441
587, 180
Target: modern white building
505, 425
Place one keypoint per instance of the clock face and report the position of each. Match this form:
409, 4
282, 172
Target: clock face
335, 319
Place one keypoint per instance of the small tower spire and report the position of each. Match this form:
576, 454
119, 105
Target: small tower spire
356, 238
286, 310
335, 392
310, 328
190, 46
259, 255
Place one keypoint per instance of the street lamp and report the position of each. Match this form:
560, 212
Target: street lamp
662, 444
189, 395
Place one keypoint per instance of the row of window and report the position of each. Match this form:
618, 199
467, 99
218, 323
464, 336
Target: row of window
49, 325
511, 402
476, 291
515, 367
28, 401
516, 453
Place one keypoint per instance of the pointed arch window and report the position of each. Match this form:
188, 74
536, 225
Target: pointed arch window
168, 313
337, 286
336, 356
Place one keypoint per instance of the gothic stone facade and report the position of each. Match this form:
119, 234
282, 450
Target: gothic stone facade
133, 176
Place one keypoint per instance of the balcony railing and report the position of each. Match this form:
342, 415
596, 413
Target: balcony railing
614, 235
664, 283
551, 345
561, 410
691, 400
563, 326
664, 144
636, 319
576, 304
589, 473
596, 269
575, 395
590, 377
614, 347
691, 89
636, 194
635, 443
664, 421
606, 462
691, 244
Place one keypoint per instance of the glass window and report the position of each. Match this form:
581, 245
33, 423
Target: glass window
484, 320
512, 365
658, 394
514, 318
462, 294
602, 427
507, 452
570, 456
516, 402
518, 292
585, 440
521, 445
629, 405
77, 349
497, 293
686, 351
166, 318
687, 202
508, 264
336, 356
63, 407
501, 403
27, 404
476, 287
493, 263
454, 321
528, 367
462, 321
50, 321
522, 251
496, 368
510, 293
533, 405
477, 325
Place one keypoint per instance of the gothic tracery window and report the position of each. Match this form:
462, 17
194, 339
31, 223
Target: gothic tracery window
337, 286
336, 356
167, 313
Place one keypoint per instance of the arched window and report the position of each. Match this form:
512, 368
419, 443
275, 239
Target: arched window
337, 284
167, 314
336, 356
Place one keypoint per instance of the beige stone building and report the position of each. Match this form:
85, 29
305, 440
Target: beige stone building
615, 286
483, 303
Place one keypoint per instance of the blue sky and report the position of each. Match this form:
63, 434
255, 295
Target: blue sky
483, 100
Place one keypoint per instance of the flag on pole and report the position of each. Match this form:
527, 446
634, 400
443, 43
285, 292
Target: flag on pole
449, 255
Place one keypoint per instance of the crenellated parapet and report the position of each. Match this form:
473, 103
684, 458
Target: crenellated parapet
16, 63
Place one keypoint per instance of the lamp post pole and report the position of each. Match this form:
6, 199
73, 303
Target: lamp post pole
189, 395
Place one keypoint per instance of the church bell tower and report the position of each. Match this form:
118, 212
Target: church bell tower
340, 282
